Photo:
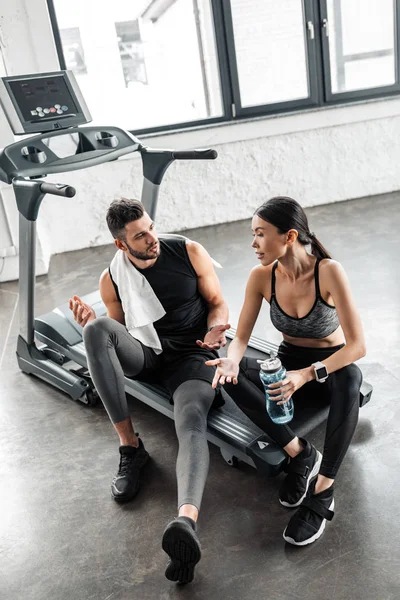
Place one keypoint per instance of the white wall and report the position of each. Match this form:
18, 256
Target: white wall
27, 47
316, 167
318, 157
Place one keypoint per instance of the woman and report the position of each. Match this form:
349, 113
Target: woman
313, 307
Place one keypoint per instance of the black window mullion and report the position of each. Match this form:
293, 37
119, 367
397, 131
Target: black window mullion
397, 44
231, 56
319, 58
324, 45
311, 15
56, 34
221, 42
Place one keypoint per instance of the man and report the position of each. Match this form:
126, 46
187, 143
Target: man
173, 279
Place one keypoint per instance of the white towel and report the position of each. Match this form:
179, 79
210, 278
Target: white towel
139, 302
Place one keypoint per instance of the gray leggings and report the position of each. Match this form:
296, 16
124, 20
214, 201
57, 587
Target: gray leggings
112, 353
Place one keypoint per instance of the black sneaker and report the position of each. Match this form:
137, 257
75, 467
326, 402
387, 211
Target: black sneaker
300, 471
182, 545
126, 483
308, 522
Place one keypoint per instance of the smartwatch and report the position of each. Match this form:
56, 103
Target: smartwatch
321, 372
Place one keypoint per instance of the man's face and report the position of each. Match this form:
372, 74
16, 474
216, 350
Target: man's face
141, 240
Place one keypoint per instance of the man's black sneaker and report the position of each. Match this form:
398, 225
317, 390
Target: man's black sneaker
126, 483
182, 545
308, 522
300, 471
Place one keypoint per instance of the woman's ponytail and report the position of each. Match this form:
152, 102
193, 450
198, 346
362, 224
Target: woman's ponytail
317, 249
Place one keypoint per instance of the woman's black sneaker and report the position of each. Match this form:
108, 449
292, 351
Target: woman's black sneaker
182, 545
308, 522
126, 483
300, 472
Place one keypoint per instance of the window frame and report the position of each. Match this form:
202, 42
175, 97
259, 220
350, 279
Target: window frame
318, 67
368, 93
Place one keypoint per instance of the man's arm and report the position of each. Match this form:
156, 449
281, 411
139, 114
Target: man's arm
83, 313
109, 297
210, 289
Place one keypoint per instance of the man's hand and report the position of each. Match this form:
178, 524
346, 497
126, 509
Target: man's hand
227, 370
83, 313
215, 338
284, 390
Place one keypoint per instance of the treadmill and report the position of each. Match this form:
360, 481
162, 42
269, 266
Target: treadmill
50, 347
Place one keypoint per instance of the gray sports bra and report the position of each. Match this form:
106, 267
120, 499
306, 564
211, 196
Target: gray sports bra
319, 322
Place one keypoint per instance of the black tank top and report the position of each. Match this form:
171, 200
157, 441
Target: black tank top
175, 283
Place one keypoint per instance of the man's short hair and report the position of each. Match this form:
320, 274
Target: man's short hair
120, 213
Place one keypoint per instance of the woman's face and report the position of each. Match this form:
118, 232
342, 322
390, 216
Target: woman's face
268, 243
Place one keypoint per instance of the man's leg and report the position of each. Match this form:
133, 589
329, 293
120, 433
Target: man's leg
192, 402
112, 353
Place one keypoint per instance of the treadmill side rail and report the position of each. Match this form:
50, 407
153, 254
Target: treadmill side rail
32, 361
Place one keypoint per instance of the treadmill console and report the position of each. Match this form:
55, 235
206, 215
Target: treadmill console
43, 102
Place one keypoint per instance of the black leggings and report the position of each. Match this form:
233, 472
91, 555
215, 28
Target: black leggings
112, 353
341, 390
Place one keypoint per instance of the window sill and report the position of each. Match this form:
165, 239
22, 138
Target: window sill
272, 125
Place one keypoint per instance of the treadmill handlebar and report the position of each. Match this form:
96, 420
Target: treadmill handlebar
58, 189
157, 160
29, 194
203, 154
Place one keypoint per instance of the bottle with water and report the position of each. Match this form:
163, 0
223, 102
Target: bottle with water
272, 371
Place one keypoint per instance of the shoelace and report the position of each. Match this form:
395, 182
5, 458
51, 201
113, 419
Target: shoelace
125, 464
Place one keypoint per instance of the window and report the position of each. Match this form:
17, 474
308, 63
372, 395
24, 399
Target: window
272, 61
150, 65
361, 44
142, 64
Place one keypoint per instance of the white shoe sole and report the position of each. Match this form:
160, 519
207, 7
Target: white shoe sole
314, 537
311, 476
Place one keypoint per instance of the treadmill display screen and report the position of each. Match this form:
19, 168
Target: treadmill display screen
43, 98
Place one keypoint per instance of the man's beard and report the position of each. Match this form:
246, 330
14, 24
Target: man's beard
143, 255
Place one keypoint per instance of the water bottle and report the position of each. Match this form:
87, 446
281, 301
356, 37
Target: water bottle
272, 371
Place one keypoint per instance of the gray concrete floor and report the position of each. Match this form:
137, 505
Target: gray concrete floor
61, 535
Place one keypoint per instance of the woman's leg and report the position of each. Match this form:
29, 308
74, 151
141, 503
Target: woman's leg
343, 393
248, 394
304, 458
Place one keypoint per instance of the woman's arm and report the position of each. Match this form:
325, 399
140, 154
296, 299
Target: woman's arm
228, 368
248, 316
338, 285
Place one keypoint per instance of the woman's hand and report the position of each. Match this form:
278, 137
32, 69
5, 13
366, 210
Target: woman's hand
227, 370
284, 390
